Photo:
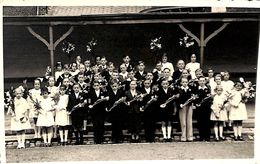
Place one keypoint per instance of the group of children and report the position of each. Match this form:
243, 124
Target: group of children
129, 97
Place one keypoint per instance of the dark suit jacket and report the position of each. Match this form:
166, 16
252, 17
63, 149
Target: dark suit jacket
113, 98
162, 97
134, 106
74, 101
60, 79
98, 109
153, 106
140, 77
202, 93
184, 96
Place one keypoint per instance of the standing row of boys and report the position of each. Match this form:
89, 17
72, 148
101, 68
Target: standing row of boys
130, 97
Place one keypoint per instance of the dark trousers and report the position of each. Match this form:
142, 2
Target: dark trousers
204, 123
77, 124
134, 123
98, 127
79, 136
149, 126
117, 127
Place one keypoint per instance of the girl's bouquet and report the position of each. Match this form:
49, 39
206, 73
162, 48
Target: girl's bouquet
186, 41
8, 101
91, 45
68, 48
56, 98
36, 103
249, 90
155, 44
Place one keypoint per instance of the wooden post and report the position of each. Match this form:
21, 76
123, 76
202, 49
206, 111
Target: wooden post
51, 48
202, 44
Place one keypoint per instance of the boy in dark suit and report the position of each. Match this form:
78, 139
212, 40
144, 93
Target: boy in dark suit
117, 113
167, 110
134, 110
149, 107
97, 98
203, 110
76, 100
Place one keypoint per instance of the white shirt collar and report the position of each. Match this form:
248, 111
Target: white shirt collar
97, 92
204, 87
148, 90
186, 88
133, 92
115, 91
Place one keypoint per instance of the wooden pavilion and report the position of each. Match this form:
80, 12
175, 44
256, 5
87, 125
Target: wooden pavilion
59, 23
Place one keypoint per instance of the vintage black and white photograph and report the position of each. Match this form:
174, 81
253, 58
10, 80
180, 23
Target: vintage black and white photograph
120, 83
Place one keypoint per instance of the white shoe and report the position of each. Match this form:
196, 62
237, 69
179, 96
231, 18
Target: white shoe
22, 146
18, 146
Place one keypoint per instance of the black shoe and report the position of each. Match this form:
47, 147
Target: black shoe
235, 139
240, 138
222, 138
77, 143
165, 140
230, 128
216, 139
169, 140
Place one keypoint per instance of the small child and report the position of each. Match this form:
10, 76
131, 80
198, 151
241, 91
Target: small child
98, 111
35, 95
238, 111
185, 111
46, 118
219, 113
228, 86
20, 121
53, 90
76, 98
62, 118
123, 72
51, 86
73, 69
134, 114
58, 71
166, 110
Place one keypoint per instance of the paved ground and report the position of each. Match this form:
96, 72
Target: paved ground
154, 151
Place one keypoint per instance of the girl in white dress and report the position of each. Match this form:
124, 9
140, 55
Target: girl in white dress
34, 96
45, 118
53, 90
219, 113
62, 119
238, 111
20, 118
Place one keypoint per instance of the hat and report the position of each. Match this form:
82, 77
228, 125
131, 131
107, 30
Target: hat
44, 89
